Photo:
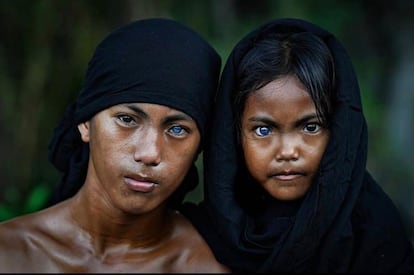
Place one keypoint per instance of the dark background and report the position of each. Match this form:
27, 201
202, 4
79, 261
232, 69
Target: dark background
45, 46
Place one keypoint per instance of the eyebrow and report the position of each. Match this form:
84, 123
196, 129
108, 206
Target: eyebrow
137, 110
306, 118
177, 117
168, 119
266, 120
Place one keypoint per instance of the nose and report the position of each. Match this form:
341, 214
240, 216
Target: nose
148, 148
287, 149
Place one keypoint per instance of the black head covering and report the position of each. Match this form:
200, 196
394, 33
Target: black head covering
345, 223
153, 60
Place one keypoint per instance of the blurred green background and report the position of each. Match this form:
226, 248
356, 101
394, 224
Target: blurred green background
45, 46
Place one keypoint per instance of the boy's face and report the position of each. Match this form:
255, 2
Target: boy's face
139, 153
282, 139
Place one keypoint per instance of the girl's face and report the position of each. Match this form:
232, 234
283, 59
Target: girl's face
282, 138
139, 154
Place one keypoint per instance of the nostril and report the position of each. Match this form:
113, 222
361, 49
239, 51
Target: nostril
149, 153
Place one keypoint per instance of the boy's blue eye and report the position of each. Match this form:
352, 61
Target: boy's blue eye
262, 131
177, 130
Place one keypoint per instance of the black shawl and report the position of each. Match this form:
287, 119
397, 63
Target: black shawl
345, 223
153, 60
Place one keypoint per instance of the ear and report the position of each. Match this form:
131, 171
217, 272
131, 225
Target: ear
84, 130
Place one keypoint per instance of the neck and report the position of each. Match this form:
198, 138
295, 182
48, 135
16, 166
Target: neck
105, 226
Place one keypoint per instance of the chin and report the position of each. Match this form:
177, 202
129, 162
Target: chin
287, 196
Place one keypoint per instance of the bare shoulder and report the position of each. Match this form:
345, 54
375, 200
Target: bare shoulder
14, 232
15, 237
10, 231
195, 253
24, 240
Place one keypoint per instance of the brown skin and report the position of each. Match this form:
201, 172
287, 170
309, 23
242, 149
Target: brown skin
118, 221
282, 138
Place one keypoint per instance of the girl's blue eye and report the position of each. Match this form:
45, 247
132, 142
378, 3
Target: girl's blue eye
262, 131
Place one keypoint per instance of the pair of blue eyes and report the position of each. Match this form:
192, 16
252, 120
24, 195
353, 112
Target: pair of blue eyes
308, 128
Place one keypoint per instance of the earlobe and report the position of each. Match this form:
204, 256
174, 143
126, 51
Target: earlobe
84, 131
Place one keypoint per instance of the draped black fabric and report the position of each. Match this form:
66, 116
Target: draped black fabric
344, 224
153, 60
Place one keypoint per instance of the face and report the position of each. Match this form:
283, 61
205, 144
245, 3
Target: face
282, 139
139, 153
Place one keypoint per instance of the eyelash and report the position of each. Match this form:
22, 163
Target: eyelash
258, 129
183, 130
129, 121
124, 117
313, 125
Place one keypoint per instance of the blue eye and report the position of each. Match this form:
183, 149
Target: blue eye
262, 131
177, 130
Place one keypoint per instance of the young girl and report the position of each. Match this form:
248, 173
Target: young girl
287, 188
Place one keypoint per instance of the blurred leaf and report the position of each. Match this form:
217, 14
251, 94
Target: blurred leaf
37, 198
6, 213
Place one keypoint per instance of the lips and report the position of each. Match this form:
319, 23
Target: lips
140, 184
287, 175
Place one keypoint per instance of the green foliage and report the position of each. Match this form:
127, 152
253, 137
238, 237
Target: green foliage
37, 198
35, 201
6, 212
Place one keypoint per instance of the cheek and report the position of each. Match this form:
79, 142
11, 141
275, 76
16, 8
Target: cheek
104, 159
316, 152
255, 158
108, 147
103, 143
181, 158
176, 172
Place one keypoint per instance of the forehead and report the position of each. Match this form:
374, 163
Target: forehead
283, 92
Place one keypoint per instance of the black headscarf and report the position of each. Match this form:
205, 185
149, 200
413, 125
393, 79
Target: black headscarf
345, 223
153, 60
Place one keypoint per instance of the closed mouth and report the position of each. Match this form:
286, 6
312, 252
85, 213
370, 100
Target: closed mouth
140, 184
